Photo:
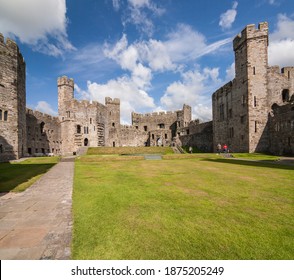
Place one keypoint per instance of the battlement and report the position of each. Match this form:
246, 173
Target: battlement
40, 115
288, 72
11, 47
65, 81
250, 32
223, 90
162, 113
109, 100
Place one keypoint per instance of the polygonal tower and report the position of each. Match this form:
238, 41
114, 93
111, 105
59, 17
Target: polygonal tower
12, 101
113, 123
66, 114
251, 63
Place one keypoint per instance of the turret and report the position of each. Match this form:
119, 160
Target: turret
65, 94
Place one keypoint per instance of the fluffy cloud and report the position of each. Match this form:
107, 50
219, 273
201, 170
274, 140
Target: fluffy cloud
139, 13
230, 72
132, 97
181, 46
282, 42
228, 18
194, 89
143, 59
46, 108
41, 24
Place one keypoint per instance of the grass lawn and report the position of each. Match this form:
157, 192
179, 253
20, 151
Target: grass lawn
18, 176
129, 150
198, 207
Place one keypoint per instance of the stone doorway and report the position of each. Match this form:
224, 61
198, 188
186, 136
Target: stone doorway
86, 142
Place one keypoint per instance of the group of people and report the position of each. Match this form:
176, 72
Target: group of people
222, 148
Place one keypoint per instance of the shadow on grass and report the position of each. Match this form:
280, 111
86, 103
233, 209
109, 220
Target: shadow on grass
262, 163
12, 175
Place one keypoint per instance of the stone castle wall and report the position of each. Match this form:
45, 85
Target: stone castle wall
12, 101
43, 134
252, 113
242, 108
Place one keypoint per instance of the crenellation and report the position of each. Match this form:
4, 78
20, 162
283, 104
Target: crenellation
252, 113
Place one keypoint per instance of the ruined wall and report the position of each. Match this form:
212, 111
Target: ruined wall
43, 133
12, 101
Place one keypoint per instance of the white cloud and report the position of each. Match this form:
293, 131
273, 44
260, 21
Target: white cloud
116, 4
46, 108
132, 97
182, 45
140, 13
282, 42
41, 24
228, 18
230, 72
195, 89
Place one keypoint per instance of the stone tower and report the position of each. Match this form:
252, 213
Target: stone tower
113, 123
66, 115
12, 101
250, 94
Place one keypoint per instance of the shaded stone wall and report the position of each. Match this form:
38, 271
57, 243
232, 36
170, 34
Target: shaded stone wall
12, 101
43, 133
198, 135
281, 127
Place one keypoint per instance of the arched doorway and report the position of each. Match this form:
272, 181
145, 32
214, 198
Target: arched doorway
86, 141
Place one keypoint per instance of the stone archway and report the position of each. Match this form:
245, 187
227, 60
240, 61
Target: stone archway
86, 142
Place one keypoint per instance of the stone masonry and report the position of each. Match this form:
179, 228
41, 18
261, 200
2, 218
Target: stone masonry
252, 113
245, 114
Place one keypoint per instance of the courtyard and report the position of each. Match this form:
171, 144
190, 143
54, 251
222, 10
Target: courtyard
199, 206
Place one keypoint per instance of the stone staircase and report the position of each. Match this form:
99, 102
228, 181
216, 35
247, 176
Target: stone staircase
178, 149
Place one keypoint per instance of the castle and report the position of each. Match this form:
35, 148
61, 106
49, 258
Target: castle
252, 113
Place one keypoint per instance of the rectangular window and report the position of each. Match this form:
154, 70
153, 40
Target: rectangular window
230, 113
242, 118
243, 100
145, 128
165, 136
68, 114
254, 70
90, 120
161, 125
0, 115
254, 101
152, 136
221, 112
188, 131
255, 126
231, 132
5, 115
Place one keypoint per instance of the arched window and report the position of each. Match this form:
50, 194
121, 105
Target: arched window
5, 115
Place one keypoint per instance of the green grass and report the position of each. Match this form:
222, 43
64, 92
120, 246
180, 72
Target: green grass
256, 156
201, 207
17, 177
129, 150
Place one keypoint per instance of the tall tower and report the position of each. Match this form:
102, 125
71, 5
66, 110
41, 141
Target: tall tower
112, 130
251, 62
66, 114
12, 101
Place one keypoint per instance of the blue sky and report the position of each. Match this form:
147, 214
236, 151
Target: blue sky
152, 54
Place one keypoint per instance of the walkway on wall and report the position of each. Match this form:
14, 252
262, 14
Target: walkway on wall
37, 223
